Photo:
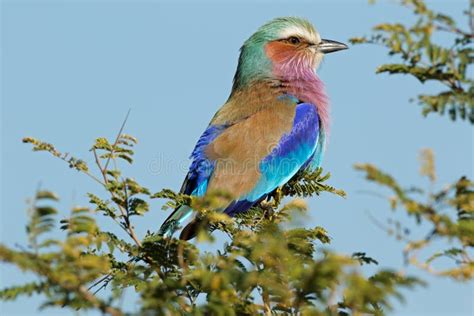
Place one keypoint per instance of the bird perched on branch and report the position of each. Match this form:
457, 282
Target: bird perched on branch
274, 123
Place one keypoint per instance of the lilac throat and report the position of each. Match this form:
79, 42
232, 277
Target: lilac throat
301, 81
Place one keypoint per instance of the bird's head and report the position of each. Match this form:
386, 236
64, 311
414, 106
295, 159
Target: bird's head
284, 46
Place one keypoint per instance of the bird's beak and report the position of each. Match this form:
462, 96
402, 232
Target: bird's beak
328, 46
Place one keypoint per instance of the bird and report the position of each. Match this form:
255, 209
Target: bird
275, 122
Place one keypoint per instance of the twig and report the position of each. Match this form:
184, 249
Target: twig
99, 281
88, 296
117, 139
104, 285
454, 30
103, 170
80, 290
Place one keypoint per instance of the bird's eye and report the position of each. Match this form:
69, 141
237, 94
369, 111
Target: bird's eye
294, 40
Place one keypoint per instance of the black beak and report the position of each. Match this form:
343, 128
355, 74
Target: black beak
327, 46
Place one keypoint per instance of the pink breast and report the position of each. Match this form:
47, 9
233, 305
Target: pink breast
301, 81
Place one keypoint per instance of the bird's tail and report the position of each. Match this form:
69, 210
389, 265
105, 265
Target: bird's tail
175, 220
191, 230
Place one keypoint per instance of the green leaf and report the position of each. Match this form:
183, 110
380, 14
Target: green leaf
47, 195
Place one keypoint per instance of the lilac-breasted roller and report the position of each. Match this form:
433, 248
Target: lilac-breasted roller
274, 123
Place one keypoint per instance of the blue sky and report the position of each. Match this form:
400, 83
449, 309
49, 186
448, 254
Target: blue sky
72, 69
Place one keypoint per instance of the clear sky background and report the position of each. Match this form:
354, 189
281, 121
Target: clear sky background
72, 69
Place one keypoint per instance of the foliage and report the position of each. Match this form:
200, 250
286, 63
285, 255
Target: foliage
64, 267
448, 214
424, 59
263, 266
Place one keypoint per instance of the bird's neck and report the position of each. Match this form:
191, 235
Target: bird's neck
300, 80
311, 90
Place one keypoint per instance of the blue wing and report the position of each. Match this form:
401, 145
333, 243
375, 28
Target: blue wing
196, 180
201, 168
295, 151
